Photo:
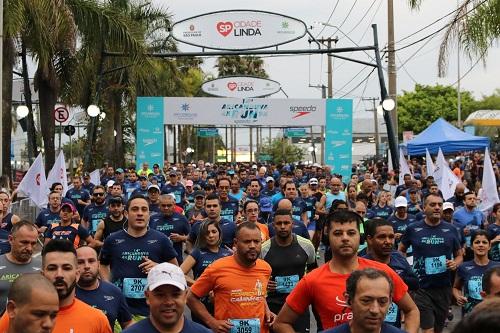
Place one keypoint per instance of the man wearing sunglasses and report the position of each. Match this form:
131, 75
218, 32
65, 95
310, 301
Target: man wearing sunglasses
96, 211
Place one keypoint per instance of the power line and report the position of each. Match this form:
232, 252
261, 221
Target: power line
366, 78
404, 68
471, 68
362, 18
345, 19
328, 21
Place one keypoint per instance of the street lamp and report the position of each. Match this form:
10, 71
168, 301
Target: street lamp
388, 104
102, 116
22, 111
93, 110
312, 151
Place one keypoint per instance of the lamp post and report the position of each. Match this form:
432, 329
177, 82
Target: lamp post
189, 154
312, 151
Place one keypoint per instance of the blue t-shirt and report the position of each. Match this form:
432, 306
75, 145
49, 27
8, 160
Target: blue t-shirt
145, 326
89, 187
176, 223
400, 225
299, 228
75, 194
125, 253
266, 192
229, 209
205, 257
432, 246
377, 211
140, 192
471, 275
47, 217
236, 196
344, 328
493, 231
129, 188
93, 214
473, 219
310, 207
73, 232
413, 208
178, 190
107, 298
228, 232
330, 198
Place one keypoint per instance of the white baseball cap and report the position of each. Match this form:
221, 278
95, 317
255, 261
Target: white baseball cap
269, 179
448, 205
400, 202
166, 273
313, 181
110, 183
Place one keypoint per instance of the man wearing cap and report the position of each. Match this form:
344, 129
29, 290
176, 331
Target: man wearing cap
143, 187
401, 219
270, 188
166, 295
158, 174
197, 212
414, 202
87, 184
132, 184
154, 199
79, 196
113, 222
120, 175
173, 186
189, 193
229, 206
66, 229
173, 225
96, 211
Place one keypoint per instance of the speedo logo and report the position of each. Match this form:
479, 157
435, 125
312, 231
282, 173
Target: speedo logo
300, 111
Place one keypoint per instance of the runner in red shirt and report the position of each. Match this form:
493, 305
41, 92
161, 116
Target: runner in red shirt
324, 287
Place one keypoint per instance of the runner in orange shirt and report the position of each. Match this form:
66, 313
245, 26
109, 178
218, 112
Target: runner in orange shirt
324, 287
60, 267
239, 283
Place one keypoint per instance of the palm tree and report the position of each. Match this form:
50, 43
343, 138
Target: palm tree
476, 24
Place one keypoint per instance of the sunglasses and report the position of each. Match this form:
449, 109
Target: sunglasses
98, 194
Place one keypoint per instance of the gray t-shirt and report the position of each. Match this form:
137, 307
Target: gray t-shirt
10, 271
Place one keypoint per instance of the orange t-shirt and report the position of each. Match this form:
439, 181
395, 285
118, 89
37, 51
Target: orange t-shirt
76, 318
239, 292
325, 291
264, 231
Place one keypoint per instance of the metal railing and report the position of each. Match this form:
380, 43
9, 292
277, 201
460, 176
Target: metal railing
25, 209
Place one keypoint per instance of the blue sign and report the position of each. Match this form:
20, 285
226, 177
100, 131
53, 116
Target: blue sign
207, 132
150, 131
338, 136
295, 132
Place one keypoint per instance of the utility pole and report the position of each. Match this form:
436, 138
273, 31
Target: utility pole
391, 64
375, 120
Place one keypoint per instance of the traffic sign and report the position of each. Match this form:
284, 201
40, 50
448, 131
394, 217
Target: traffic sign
61, 114
295, 132
207, 132
265, 157
69, 130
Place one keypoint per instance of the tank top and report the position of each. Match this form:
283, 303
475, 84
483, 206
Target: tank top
111, 226
7, 222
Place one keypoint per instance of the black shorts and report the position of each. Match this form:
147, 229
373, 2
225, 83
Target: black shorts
302, 323
433, 305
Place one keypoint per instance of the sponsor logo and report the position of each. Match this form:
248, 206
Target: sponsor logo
240, 86
185, 112
152, 241
119, 241
239, 28
108, 298
232, 85
299, 111
149, 142
245, 112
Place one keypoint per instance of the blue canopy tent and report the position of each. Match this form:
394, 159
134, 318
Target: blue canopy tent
442, 134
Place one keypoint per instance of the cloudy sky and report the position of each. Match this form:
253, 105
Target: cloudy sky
417, 63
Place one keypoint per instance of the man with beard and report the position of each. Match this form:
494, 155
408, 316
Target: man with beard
19, 260
380, 238
299, 207
301, 257
129, 254
369, 296
458, 198
33, 305
96, 211
173, 186
60, 268
154, 199
113, 222
97, 293
468, 218
239, 283
324, 287
229, 206
79, 196
166, 295
50, 214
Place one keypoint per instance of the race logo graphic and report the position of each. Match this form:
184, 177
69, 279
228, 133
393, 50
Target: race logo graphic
246, 112
239, 28
185, 112
299, 111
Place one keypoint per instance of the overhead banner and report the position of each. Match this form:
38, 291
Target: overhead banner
150, 130
338, 138
238, 30
241, 87
246, 111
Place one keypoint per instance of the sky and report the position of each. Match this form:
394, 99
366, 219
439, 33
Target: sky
296, 73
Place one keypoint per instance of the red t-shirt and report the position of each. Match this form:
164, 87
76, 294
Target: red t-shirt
325, 291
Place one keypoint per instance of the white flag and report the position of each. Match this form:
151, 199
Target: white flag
403, 167
58, 173
390, 167
441, 164
95, 177
448, 183
34, 183
489, 195
429, 165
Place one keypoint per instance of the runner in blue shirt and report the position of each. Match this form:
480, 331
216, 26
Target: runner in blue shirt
229, 206
143, 187
79, 196
128, 255
173, 186
468, 280
401, 220
381, 209
173, 225
97, 293
96, 211
468, 218
436, 253
132, 184
51, 214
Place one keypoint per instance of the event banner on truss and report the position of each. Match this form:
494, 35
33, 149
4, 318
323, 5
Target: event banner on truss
338, 136
153, 113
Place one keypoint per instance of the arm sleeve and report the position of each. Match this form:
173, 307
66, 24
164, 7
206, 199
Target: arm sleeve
405, 240
82, 232
400, 288
300, 297
205, 282
123, 312
169, 252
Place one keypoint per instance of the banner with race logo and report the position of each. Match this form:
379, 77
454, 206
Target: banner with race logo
338, 136
150, 130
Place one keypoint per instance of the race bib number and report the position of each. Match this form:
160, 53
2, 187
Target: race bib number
177, 198
435, 265
285, 284
134, 287
245, 325
392, 314
468, 238
309, 214
95, 223
475, 287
